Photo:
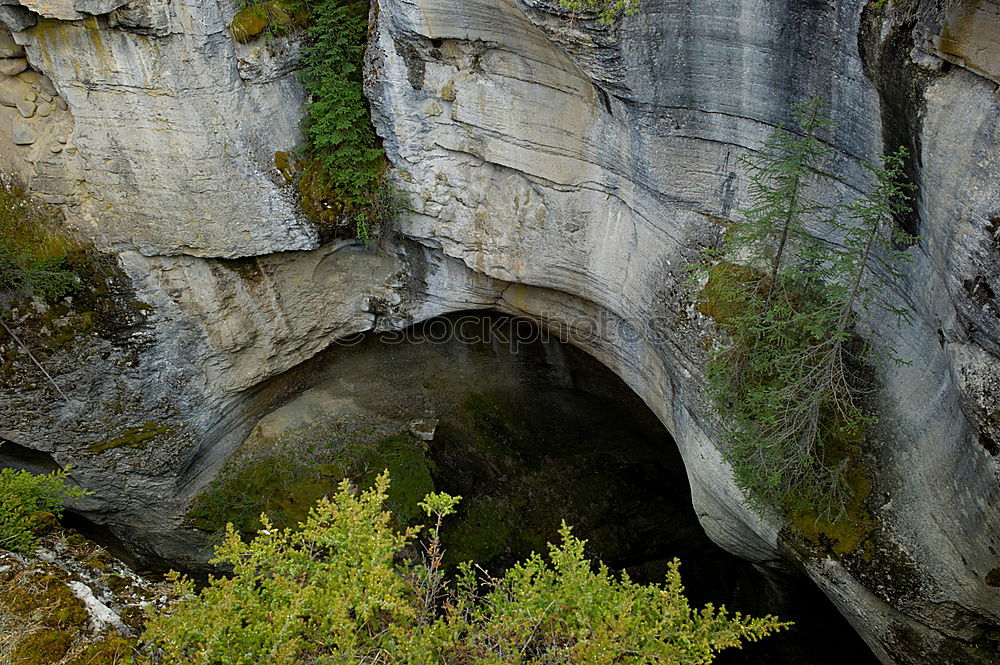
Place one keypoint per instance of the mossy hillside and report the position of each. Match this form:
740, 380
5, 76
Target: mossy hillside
43, 647
91, 297
285, 487
46, 600
113, 649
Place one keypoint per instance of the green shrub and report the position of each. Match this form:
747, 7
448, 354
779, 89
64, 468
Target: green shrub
32, 255
27, 502
338, 590
608, 11
345, 165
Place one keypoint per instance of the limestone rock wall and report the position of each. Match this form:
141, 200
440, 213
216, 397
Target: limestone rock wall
558, 169
583, 166
175, 128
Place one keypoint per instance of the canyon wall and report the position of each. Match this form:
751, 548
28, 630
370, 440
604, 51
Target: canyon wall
557, 169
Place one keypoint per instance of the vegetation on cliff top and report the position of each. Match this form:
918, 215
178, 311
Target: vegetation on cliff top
348, 586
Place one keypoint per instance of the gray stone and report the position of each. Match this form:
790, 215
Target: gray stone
61, 104
424, 428
8, 47
30, 96
44, 110
56, 148
98, 6
22, 132
26, 108
12, 91
12, 66
17, 18
184, 83
45, 86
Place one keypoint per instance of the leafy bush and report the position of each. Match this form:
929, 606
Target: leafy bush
32, 256
608, 11
336, 590
27, 502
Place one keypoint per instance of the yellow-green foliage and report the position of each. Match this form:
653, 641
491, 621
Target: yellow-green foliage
335, 590
42, 648
27, 502
32, 254
608, 11
112, 650
273, 17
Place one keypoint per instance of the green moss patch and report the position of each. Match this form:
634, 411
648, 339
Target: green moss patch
136, 437
48, 601
285, 487
42, 648
261, 18
111, 650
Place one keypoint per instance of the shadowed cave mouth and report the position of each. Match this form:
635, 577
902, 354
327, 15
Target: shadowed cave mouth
529, 431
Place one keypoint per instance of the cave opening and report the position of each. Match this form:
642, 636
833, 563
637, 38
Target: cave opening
530, 431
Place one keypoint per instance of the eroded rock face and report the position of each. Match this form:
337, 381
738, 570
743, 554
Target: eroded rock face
173, 146
560, 170
585, 166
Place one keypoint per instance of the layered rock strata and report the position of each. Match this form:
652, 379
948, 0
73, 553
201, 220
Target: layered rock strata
558, 169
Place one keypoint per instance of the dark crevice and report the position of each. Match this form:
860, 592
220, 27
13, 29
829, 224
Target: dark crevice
900, 84
16, 456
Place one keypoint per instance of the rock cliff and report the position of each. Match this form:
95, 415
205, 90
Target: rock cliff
558, 169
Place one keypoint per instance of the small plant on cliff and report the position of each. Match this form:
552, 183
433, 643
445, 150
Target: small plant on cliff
608, 11
338, 589
32, 256
345, 165
788, 377
28, 502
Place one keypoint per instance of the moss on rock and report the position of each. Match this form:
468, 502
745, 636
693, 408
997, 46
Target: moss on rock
44, 647
285, 487
48, 601
136, 437
111, 650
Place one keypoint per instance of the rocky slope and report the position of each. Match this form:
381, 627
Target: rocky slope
560, 170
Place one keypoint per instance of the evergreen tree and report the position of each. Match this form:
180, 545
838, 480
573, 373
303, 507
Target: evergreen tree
785, 377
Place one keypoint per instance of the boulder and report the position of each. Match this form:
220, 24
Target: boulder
44, 110
26, 108
8, 47
45, 86
30, 76
13, 90
22, 132
17, 18
12, 66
